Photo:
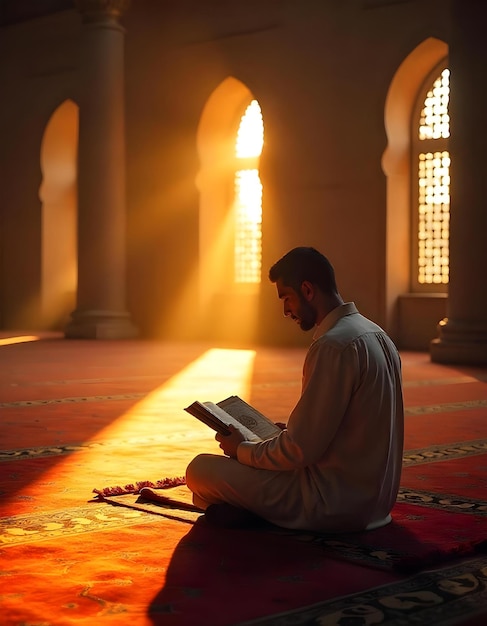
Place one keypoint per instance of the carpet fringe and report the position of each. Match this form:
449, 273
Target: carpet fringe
164, 483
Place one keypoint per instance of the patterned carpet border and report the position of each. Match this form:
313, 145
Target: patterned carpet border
71, 400
97, 516
445, 408
443, 452
438, 597
454, 380
415, 410
24, 529
443, 501
433, 382
22, 454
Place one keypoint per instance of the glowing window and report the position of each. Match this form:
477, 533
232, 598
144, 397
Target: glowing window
248, 197
435, 121
432, 215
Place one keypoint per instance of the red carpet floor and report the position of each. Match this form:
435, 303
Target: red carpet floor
82, 414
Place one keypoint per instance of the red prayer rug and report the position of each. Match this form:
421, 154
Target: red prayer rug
78, 414
419, 536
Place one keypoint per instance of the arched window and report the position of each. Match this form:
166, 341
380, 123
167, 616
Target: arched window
230, 140
431, 184
248, 196
414, 308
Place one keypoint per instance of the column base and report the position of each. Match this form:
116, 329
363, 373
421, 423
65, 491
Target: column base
100, 325
460, 343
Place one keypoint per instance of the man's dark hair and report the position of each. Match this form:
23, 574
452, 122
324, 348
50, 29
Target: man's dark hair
304, 264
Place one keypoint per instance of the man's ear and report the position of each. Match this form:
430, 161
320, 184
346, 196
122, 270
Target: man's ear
307, 290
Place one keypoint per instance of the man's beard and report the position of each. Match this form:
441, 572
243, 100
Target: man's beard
306, 315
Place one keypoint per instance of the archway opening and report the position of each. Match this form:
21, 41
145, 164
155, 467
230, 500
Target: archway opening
410, 318
230, 140
58, 194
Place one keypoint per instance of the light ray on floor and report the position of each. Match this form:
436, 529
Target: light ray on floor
156, 437
8, 341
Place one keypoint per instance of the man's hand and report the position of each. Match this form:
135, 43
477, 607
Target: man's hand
229, 443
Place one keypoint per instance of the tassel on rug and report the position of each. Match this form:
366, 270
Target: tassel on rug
165, 483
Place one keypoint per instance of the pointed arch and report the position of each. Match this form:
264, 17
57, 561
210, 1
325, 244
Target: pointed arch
58, 194
396, 164
216, 181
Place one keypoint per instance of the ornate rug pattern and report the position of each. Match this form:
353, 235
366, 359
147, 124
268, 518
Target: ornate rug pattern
418, 537
437, 598
79, 415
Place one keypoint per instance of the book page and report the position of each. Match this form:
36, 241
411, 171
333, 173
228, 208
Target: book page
206, 415
226, 418
249, 417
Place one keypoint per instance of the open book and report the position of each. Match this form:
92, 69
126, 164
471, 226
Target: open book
233, 410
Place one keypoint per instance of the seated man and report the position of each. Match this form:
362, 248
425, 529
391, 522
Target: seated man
336, 466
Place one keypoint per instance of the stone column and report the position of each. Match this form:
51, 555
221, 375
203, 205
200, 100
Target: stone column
463, 334
101, 307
